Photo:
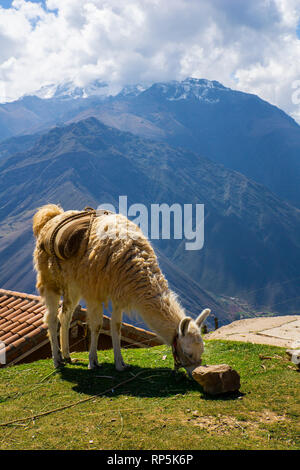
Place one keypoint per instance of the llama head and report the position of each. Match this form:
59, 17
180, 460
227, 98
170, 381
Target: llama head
188, 345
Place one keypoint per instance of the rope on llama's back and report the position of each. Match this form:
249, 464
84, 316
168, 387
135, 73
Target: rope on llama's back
115, 262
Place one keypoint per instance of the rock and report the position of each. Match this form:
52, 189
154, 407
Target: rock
294, 355
216, 379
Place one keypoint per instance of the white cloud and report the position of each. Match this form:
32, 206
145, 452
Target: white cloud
252, 46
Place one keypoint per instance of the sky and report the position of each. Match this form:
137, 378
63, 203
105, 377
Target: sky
252, 46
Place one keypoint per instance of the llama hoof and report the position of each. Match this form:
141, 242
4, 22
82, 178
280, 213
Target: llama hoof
59, 364
58, 361
68, 360
123, 366
94, 365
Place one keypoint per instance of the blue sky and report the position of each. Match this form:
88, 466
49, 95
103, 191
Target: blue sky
7, 3
252, 46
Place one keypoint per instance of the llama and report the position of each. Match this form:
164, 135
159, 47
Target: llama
116, 263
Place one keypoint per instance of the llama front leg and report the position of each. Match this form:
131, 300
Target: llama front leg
65, 316
116, 320
95, 320
51, 300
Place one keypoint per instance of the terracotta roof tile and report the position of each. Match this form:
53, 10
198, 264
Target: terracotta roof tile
9, 338
5, 335
18, 327
24, 331
23, 317
37, 309
7, 327
6, 301
31, 318
31, 334
39, 322
10, 314
32, 306
18, 342
21, 320
14, 302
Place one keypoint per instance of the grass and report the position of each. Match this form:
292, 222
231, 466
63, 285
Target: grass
154, 410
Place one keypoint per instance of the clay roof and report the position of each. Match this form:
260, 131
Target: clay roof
22, 330
21, 323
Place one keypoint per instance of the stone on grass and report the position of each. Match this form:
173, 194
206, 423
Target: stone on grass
294, 355
216, 379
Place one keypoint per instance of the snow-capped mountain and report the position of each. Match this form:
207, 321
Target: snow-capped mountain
191, 88
173, 90
69, 90
236, 129
133, 90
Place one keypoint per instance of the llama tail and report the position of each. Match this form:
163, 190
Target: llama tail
43, 215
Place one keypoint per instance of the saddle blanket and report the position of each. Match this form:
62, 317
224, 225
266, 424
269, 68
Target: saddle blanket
65, 238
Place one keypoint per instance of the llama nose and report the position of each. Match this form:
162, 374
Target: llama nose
190, 369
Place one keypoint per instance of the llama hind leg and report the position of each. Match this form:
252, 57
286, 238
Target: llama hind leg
51, 300
65, 316
116, 320
95, 319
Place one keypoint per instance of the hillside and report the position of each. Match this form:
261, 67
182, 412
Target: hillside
238, 130
251, 247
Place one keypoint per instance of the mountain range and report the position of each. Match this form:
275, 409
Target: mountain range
239, 130
251, 248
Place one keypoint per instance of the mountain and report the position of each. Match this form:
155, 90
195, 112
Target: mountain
17, 144
68, 90
239, 130
251, 249
32, 114
50, 105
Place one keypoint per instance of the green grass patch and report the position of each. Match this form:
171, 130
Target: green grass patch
154, 409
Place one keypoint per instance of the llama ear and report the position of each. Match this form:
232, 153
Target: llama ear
183, 325
202, 317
